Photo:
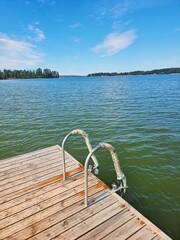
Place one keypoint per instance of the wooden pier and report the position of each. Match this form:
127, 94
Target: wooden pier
35, 203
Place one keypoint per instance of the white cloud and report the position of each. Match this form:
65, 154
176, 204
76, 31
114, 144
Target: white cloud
113, 9
114, 43
39, 35
118, 10
17, 53
75, 25
49, 2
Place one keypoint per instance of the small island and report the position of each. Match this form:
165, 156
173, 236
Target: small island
26, 74
155, 71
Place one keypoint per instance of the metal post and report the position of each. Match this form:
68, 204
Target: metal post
86, 138
120, 175
63, 156
86, 173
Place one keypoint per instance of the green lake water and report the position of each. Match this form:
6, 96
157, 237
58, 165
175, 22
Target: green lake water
138, 115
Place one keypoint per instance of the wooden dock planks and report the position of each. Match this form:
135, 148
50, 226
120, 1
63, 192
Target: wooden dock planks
35, 203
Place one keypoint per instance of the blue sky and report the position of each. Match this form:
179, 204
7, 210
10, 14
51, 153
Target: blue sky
86, 36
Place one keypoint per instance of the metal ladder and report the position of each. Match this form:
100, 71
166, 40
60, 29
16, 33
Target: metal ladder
121, 179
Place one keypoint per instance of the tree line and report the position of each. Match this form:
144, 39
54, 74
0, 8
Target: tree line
25, 74
155, 71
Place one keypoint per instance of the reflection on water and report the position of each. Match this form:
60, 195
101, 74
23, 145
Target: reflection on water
139, 116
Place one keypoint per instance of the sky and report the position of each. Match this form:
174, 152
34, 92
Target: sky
78, 37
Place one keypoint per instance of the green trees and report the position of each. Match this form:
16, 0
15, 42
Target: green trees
156, 71
24, 74
38, 73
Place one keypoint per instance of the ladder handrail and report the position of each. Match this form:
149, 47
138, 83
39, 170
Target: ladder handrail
86, 138
120, 175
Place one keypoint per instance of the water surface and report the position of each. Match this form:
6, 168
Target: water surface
138, 115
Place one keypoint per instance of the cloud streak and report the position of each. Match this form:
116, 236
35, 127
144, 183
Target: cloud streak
39, 35
49, 2
75, 25
113, 43
113, 9
17, 53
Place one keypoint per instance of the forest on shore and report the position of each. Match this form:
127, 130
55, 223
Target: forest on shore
25, 74
155, 71
47, 73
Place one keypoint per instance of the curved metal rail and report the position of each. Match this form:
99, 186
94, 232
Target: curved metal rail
86, 138
120, 175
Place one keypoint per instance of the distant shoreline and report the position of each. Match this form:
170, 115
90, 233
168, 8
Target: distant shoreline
28, 74
55, 74
138, 73
74, 76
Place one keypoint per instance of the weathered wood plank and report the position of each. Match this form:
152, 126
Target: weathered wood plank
32, 182
33, 174
60, 221
34, 160
30, 166
33, 199
23, 169
108, 226
24, 157
37, 193
142, 234
37, 172
74, 219
157, 238
153, 227
43, 181
125, 230
25, 228
90, 223
49, 202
